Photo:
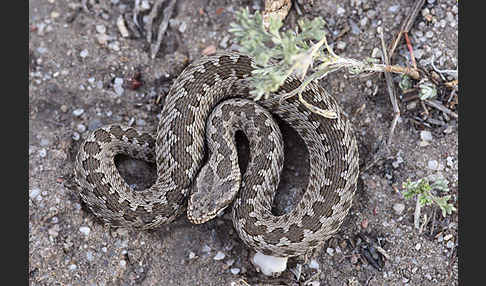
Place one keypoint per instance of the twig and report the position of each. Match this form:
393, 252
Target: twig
163, 27
150, 18
407, 24
410, 49
391, 91
436, 104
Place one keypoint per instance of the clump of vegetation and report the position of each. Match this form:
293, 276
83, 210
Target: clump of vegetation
423, 191
279, 54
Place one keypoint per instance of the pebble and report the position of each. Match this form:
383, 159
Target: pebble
429, 34
450, 244
433, 164
313, 264
341, 45
73, 267
89, 256
34, 193
42, 153
101, 29
81, 128
104, 249
219, 256
76, 136
426, 135
206, 248
78, 112
192, 255
118, 89
114, 46
235, 271
123, 263
330, 251
64, 108
85, 230
398, 208
418, 246
44, 142
340, 11
140, 122
84, 53
393, 9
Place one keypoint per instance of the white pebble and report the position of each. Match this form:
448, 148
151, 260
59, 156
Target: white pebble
85, 230
100, 29
192, 255
269, 265
340, 11
426, 135
398, 208
447, 237
433, 164
450, 244
123, 263
418, 246
206, 248
235, 271
89, 256
104, 249
76, 136
42, 153
118, 89
330, 251
219, 256
34, 193
81, 128
84, 53
313, 264
78, 112
341, 45
73, 267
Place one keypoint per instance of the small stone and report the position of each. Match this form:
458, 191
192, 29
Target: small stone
54, 231
235, 271
118, 89
363, 22
104, 249
123, 263
140, 122
114, 46
89, 256
101, 29
206, 248
450, 244
83, 53
78, 112
330, 251
313, 264
447, 237
120, 23
34, 193
54, 14
340, 11
85, 230
94, 124
192, 255
219, 256
376, 53
398, 208
433, 165
64, 108
118, 81
76, 136
73, 267
44, 142
81, 128
429, 34
182, 27
43, 153
418, 246
448, 129
341, 45
393, 9
426, 135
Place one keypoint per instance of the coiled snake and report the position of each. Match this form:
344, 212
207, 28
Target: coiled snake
197, 109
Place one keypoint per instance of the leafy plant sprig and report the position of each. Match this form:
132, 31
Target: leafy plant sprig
278, 54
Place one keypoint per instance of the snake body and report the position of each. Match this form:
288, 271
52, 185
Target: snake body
210, 91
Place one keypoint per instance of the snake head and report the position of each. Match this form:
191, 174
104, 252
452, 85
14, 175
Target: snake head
211, 194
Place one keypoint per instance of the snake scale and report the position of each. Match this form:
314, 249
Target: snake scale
206, 104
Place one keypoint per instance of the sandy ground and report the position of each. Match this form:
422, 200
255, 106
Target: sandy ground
77, 60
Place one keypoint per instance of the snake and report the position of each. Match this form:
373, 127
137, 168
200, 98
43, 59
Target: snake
197, 165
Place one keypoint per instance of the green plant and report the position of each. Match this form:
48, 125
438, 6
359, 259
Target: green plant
422, 190
279, 54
